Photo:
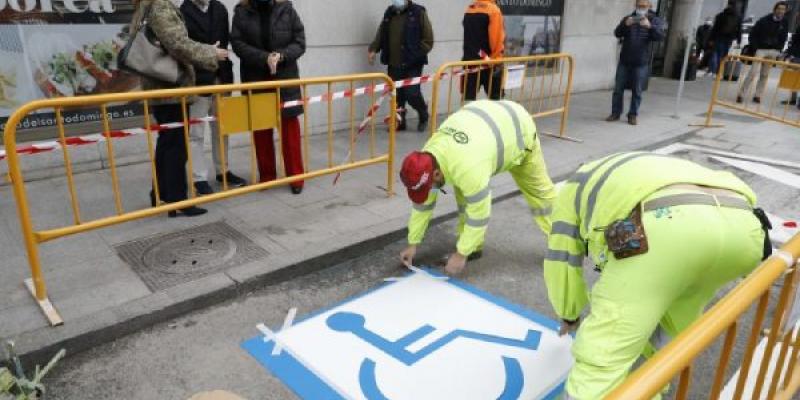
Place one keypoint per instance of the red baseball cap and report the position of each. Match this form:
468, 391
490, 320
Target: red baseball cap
417, 175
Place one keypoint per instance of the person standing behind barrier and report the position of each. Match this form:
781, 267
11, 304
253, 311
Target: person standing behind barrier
637, 32
727, 28
768, 37
484, 36
269, 38
207, 22
483, 139
404, 39
792, 55
166, 23
666, 234
701, 51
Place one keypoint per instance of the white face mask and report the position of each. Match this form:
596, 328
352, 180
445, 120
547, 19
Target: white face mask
641, 11
399, 4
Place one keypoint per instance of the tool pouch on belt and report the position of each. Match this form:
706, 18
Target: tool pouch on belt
626, 237
766, 226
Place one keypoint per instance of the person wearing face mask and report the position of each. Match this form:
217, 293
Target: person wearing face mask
768, 37
479, 141
269, 38
637, 32
404, 39
727, 28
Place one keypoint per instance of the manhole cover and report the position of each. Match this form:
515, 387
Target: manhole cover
178, 257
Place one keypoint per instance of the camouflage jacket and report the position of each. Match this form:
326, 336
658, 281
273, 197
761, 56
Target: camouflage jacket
168, 26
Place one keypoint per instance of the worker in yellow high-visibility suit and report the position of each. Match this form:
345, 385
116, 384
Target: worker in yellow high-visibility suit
666, 235
477, 142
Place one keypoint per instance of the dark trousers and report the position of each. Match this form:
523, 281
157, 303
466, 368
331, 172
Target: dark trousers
721, 49
292, 150
636, 76
170, 155
486, 76
410, 94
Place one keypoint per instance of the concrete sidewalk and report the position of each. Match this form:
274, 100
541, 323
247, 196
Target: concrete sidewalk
101, 297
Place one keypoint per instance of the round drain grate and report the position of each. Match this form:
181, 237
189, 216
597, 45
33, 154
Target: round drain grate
189, 253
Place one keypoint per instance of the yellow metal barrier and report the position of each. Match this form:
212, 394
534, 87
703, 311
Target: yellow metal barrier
256, 107
730, 91
723, 319
543, 84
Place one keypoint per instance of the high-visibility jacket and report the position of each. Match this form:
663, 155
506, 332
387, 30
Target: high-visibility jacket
600, 193
484, 30
477, 142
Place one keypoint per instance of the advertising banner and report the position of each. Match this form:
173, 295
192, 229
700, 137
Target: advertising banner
533, 27
55, 48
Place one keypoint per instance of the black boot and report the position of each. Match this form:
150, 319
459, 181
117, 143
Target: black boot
423, 122
402, 125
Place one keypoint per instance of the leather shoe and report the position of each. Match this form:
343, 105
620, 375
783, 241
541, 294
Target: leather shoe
296, 189
632, 120
232, 179
202, 188
188, 212
612, 118
739, 99
757, 100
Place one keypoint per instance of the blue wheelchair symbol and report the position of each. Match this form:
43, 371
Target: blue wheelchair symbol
354, 323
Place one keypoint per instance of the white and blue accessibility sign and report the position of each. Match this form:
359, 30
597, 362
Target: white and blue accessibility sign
420, 337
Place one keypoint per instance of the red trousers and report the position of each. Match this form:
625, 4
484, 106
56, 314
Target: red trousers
291, 147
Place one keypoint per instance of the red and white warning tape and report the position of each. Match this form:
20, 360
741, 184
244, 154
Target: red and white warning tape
43, 147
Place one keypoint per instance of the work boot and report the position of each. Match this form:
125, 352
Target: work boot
632, 120
476, 255
612, 118
202, 188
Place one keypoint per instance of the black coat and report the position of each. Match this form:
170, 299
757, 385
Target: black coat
727, 27
769, 34
287, 36
636, 40
794, 46
209, 28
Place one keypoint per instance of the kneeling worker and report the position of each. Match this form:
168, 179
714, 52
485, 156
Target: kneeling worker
666, 233
477, 142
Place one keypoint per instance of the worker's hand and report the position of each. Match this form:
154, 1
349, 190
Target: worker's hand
645, 23
371, 57
628, 21
568, 327
272, 62
455, 264
407, 255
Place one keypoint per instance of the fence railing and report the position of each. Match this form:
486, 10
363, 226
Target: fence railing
768, 370
543, 84
759, 87
242, 108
